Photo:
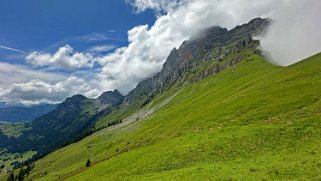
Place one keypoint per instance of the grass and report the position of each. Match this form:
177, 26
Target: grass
252, 121
3, 176
12, 129
8, 158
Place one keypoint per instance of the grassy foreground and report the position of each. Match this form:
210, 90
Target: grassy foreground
252, 121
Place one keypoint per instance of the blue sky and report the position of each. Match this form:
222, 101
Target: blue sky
47, 24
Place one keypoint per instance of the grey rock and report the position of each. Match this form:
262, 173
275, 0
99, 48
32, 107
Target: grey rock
212, 44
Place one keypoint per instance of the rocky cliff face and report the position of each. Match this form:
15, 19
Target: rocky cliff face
212, 44
109, 99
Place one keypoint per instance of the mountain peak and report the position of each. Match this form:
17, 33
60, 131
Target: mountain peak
77, 97
211, 44
109, 98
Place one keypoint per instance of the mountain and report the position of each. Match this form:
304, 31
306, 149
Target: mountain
73, 118
217, 110
212, 45
251, 121
109, 99
3, 104
24, 114
78, 115
195, 59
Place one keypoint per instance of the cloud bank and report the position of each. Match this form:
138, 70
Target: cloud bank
20, 84
295, 33
37, 91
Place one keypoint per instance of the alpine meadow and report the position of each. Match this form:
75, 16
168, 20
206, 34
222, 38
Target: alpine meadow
205, 90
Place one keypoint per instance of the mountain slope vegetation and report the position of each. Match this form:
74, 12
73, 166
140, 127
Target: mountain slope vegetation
253, 120
68, 122
71, 119
217, 110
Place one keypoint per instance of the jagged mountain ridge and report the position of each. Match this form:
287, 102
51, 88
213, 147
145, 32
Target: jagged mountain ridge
195, 51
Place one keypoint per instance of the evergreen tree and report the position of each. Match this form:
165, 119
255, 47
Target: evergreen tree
21, 174
88, 163
28, 168
11, 177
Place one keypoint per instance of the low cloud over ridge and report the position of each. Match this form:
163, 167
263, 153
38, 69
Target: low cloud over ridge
295, 33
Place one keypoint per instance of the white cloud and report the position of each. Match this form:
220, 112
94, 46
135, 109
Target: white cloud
11, 49
102, 48
296, 32
19, 84
159, 6
37, 91
65, 58
93, 37
11, 74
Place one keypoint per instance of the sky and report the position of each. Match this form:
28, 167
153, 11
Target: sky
51, 50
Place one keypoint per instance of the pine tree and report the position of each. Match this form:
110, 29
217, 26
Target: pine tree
11, 177
88, 163
28, 170
21, 174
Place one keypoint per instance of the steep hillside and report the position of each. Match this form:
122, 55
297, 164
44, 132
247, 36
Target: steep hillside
68, 122
253, 120
200, 56
24, 114
216, 110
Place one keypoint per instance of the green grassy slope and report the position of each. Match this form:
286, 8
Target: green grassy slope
7, 158
252, 121
12, 129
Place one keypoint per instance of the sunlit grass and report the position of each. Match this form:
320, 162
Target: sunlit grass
252, 121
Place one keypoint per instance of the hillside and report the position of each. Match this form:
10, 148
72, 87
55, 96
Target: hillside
71, 119
218, 109
253, 120
204, 54
68, 122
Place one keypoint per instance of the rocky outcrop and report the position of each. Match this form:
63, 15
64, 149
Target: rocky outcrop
212, 44
109, 99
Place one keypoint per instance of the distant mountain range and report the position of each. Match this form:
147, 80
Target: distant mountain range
3, 104
23, 114
66, 122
